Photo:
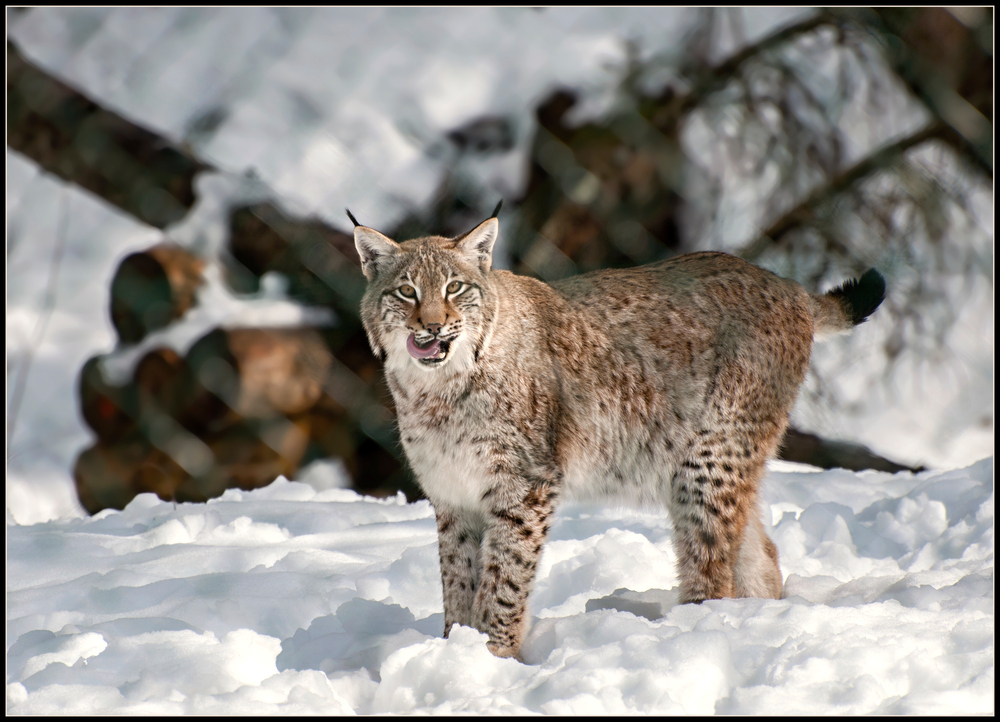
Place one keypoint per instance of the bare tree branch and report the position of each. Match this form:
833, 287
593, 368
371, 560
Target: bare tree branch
941, 63
805, 212
715, 78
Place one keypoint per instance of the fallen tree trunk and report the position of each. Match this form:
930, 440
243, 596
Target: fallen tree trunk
74, 138
806, 448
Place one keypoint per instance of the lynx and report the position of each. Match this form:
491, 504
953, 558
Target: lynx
666, 384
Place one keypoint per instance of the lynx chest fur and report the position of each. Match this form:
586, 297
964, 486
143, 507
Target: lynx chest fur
666, 384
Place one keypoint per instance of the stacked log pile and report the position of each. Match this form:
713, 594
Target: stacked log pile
246, 405
240, 408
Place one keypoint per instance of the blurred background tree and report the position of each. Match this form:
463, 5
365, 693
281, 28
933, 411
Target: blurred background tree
845, 139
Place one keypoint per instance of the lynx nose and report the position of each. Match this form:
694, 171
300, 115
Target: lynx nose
434, 328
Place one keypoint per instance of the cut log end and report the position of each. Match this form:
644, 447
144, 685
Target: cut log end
152, 288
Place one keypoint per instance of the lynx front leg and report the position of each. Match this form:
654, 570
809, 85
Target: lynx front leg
459, 540
512, 546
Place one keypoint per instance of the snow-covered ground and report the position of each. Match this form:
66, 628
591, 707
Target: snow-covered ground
304, 597
293, 600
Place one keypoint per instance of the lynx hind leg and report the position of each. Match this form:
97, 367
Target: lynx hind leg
719, 539
757, 573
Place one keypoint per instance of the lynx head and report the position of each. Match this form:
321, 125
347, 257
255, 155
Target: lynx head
427, 300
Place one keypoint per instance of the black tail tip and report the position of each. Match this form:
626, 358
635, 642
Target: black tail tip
351, 216
862, 296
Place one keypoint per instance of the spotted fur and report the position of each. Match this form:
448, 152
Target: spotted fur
666, 384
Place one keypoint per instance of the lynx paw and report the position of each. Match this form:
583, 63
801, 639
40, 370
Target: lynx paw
501, 651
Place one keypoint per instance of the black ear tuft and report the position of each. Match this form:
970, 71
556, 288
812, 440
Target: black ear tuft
353, 219
496, 211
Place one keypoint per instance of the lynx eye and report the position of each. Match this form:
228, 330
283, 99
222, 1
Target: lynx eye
454, 287
407, 291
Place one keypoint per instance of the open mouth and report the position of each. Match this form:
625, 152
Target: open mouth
430, 353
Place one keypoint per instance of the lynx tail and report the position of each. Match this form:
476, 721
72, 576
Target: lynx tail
859, 298
845, 307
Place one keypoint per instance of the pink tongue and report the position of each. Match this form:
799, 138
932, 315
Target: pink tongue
417, 352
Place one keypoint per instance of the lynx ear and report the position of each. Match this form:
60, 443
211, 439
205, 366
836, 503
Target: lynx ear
477, 244
374, 249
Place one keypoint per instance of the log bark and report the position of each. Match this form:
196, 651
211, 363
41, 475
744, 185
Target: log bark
157, 379
103, 473
251, 455
113, 412
251, 373
248, 455
320, 262
159, 474
110, 411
